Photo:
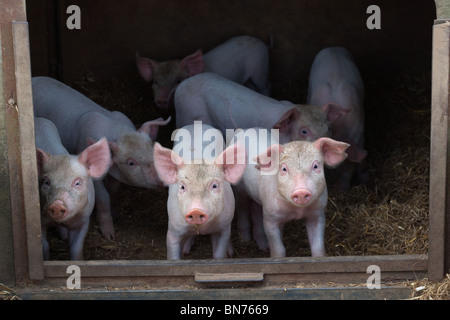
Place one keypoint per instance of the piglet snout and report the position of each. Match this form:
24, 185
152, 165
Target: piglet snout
196, 217
301, 196
57, 210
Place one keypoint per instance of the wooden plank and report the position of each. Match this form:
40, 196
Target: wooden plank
229, 277
27, 148
13, 10
442, 9
6, 234
267, 266
439, 160
339, 293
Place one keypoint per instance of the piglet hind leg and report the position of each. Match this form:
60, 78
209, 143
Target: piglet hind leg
243, 215
220, 243
112, 186
103, 208
259, 234
187, 245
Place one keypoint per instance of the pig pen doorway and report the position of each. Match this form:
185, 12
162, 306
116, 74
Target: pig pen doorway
387, 217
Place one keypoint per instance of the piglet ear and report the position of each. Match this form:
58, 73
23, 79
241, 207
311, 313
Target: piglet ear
193, 64
167, 163
333, 151
288, 117
96, 158
269, 160
334, 111
151, 127
233, 162
146, 67
42, 157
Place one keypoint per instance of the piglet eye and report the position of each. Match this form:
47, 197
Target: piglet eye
316, 166
77, 183
130, 163
304, 131
182, 188
284, 169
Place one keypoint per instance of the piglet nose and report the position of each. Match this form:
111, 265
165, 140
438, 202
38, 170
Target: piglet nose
57, 210
301, 196
196, 217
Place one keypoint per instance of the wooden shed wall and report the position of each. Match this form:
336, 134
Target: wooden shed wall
111, 34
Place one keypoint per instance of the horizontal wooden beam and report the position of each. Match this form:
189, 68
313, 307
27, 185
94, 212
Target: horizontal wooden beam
352, 269
339, 293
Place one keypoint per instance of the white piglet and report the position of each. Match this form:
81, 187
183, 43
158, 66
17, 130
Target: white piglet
242, 59
66, 185
287, 182
225, 104
201, 200
334, 78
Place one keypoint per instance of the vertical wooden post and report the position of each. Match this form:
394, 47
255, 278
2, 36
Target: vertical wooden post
27, 148
7, 274
438, 251
16, 113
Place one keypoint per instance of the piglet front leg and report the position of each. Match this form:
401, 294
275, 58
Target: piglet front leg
76, 240
174, 245
274, 234
315, 227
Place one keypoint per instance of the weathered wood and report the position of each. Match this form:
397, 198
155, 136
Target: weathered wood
13, 10
27, 148
6, 233
350, 269
442, 9
339, 293
229, 277
439, 158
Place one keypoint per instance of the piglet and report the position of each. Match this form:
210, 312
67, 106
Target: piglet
66, 185
80, 120
242, 59
335, 78
225, 104
288, 182
201, 200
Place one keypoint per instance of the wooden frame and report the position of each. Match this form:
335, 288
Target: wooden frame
439, 165
23, 213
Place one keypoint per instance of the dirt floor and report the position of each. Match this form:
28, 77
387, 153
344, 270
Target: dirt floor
388, 216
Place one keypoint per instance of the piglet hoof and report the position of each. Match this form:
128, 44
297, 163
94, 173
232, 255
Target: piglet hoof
107, 231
